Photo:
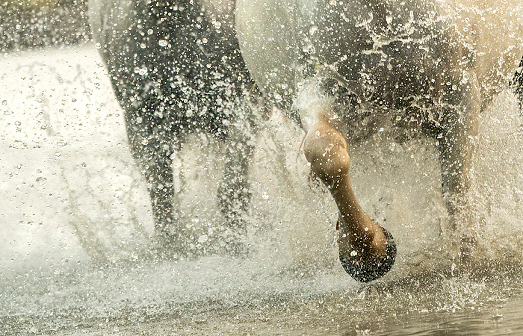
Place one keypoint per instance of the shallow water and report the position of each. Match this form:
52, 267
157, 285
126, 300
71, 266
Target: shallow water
76, 226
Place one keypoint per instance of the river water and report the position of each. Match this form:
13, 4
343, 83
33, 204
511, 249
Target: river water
76, 226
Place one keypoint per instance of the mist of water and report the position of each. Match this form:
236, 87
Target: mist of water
77, 224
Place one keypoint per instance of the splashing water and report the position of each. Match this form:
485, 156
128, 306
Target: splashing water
76, 224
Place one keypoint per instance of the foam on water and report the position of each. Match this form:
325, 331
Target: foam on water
76, 218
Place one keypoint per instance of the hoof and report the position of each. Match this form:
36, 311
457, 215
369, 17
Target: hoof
372, 271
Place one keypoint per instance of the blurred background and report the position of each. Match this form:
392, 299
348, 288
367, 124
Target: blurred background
42, 23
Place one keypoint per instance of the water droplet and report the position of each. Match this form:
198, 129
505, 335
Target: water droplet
41, 180
141, 71
162, 43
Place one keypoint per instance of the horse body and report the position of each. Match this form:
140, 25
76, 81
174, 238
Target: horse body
342, 69
176, 68
389, 52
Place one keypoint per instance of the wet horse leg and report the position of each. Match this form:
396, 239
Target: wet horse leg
233, 192
363, 244
456, 146
518, 84
152, 149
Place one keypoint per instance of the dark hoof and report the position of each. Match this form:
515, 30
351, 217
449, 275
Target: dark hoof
369, 272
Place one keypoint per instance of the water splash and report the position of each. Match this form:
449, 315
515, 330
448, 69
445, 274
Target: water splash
76, 216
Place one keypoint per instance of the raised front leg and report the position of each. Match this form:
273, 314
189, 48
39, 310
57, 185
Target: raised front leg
366, 250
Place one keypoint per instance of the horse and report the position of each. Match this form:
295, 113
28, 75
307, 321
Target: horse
344, 69
176, 69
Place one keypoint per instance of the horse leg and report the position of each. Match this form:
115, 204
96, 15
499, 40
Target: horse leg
233, 192
518, 83
152, 150
456, 146
366, 251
